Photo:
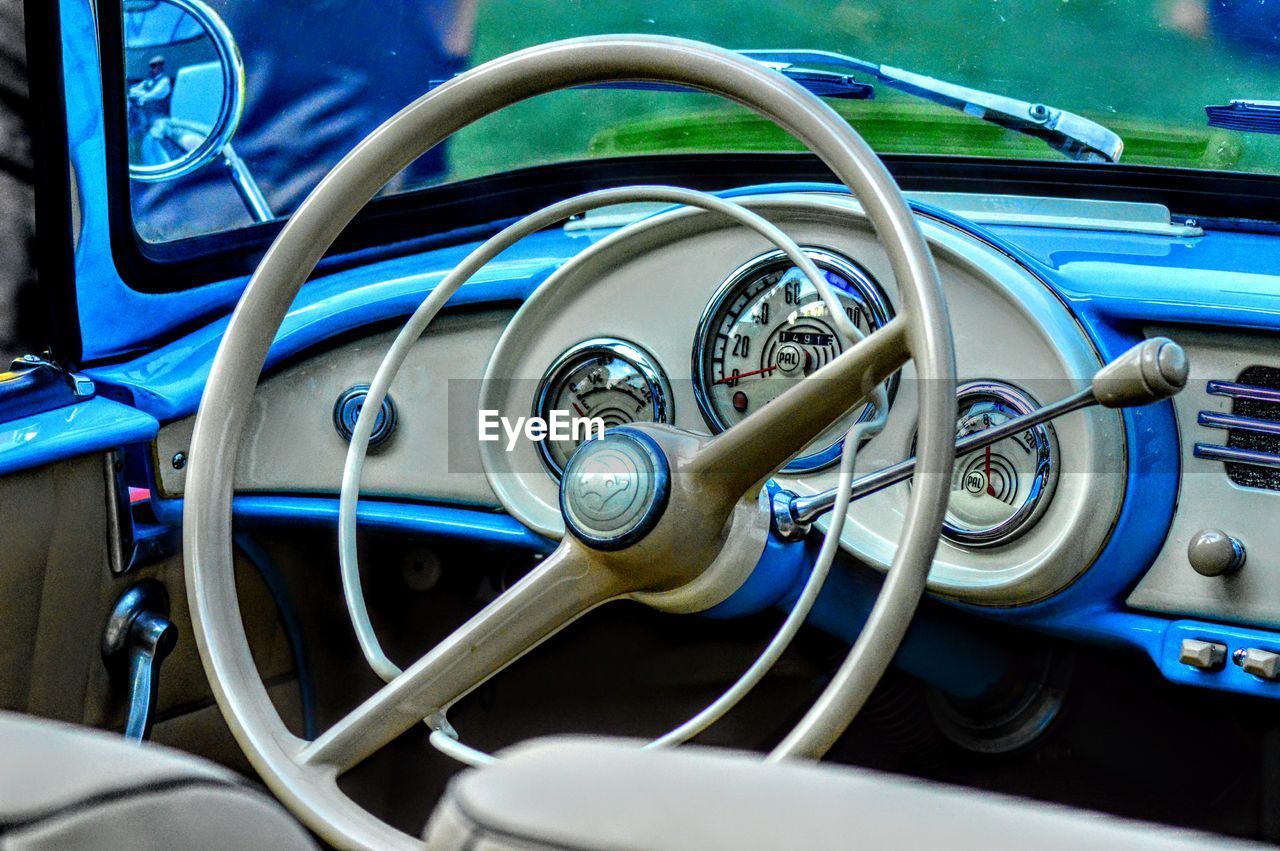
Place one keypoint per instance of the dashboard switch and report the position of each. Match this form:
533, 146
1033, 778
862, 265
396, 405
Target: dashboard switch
1261, 663
1205, 655
1215, 553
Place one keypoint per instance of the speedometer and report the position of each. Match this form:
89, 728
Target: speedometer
767, 328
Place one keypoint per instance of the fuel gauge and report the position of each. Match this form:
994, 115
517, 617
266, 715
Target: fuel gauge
613, 380
999, 492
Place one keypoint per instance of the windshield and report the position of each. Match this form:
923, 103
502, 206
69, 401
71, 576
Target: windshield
213, 149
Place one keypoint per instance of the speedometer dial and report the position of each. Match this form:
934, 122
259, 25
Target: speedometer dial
606, 379
767, 328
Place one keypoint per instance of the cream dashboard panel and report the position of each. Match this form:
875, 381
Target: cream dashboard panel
649, 284
291, 445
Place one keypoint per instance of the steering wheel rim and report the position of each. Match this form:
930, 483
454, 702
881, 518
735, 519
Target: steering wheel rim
289, 765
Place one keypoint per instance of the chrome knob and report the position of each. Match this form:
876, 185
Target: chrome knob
1213, 552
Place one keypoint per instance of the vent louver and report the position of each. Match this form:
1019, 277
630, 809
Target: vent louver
1252, 451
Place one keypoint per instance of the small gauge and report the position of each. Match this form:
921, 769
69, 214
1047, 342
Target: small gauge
767, 328
999, 492
612, 380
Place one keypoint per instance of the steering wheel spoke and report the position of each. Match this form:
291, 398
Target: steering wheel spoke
564, 586
741, 457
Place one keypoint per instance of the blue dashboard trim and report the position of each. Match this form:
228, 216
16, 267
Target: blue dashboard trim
431, 521
168, 381
95, 425
936, 649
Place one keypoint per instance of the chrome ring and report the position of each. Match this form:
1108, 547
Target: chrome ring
879, 312
663, 410
1043, 483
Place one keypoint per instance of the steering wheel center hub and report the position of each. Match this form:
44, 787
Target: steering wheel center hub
615, 489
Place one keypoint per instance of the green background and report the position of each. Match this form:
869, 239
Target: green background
1127, 65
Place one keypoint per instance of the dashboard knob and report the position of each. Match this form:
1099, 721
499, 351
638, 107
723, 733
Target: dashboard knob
1260, 663
1205, 655
346, 411
1213, 552
1153, 370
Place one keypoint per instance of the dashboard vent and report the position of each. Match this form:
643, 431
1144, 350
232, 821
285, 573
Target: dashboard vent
1252, 453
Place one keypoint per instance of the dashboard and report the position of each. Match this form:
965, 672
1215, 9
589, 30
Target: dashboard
1091, 531
683, 318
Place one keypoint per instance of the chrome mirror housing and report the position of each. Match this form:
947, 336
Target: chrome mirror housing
185, 90
185, 84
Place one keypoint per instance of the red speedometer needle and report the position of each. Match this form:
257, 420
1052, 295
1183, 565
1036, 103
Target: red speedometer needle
729, 378
991, 491
581, 412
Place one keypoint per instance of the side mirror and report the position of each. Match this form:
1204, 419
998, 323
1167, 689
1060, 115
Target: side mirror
185, 90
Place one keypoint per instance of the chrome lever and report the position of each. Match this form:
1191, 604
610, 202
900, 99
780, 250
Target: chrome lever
137, 639
1153, 370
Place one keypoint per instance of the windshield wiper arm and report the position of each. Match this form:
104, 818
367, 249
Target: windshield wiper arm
1073, 135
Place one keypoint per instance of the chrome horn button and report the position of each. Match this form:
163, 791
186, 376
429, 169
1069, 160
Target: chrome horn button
614, 489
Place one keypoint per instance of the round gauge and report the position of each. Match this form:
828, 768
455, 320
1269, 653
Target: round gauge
603, 378
999, 492
767, 328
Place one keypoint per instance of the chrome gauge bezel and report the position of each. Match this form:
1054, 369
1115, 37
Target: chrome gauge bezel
1043, 483
879, 312
552, 382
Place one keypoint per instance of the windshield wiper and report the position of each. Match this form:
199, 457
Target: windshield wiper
1073, 135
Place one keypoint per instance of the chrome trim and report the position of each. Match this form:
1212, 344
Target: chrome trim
1235, 390
1239, 423
1229, 454
644, 363
1046, 473
120, 531
879, 312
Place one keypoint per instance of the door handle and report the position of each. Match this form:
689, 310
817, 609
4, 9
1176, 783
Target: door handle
138, 637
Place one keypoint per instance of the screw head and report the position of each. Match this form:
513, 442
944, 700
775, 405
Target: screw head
179, 460
1038, 112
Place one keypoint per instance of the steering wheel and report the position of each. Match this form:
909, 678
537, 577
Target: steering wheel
668, 537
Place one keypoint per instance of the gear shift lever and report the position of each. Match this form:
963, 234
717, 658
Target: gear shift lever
138, 637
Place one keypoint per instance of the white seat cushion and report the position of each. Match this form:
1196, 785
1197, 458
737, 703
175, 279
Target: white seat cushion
69, 787
610, 794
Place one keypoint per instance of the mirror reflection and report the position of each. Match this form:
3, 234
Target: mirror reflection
177, 88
